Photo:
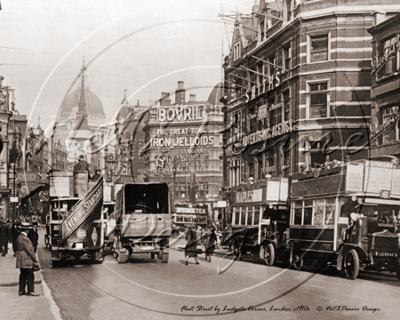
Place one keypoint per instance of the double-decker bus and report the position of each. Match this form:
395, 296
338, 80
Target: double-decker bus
346, 217
260, 218
74, 226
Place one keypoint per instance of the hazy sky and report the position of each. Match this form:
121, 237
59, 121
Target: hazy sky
151, 45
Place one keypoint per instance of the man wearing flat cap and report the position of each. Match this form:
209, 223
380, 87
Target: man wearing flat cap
82, 165
26, 259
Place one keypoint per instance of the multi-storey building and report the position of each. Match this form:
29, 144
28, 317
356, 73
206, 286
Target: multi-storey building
5, 115
183, 146
385, 92
297, 84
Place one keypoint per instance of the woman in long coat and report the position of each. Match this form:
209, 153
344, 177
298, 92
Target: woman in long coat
191, 245
211, 237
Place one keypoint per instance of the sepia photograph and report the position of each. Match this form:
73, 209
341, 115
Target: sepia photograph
183, 159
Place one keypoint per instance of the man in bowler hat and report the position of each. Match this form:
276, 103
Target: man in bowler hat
26, 259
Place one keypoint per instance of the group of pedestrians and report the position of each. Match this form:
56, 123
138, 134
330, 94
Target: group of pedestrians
24, 238
211, 239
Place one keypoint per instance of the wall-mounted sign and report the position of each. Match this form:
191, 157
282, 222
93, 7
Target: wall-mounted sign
268, 169
180, 131
182, 142
181, 113
249, 196
191, 210
265, 134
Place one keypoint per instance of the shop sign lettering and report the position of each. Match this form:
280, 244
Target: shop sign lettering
265, 134
268, 169
181, 113
249, 196
180, 131
167, 142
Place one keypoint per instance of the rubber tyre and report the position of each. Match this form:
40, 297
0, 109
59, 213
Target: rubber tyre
297, 259
351, 264
269, 254
99, 256
165, 257
236, 250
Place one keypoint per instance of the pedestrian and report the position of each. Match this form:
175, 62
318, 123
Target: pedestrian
4, 237
26, 259
14, 235
198, 234
34, 237
191, 245
211, 237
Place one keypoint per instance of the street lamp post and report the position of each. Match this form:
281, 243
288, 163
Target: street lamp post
174, 170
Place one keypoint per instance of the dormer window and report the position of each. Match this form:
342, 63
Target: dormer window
236, 51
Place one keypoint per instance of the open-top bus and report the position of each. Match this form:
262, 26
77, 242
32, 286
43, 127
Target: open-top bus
75, 228
346, 217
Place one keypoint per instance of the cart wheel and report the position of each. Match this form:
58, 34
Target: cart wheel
165, 257
398, 273
297, 259
351, 264
269, 254
152, 255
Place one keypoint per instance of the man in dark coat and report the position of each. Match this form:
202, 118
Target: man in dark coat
191, 245
26, 259
4, 237
211, 237
14, 235
34, 237
81, 166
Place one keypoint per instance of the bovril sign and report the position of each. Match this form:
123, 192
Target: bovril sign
181, 113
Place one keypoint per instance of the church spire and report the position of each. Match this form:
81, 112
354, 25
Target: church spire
82, 103
125, 100
81, 116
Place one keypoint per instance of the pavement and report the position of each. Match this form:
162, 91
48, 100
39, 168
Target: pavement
13, 306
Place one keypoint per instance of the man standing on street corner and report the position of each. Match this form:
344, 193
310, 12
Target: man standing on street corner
26, 259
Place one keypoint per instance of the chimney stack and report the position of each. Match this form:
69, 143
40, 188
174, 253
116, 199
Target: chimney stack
165, 100
192, 97
180, 93
378, 17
